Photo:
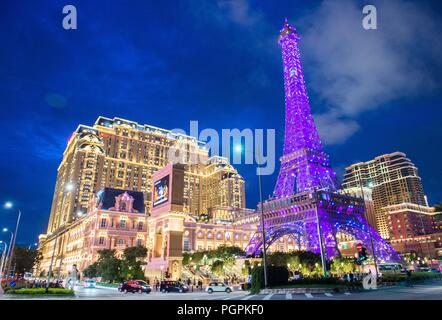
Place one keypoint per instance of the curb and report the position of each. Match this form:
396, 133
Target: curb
308, 290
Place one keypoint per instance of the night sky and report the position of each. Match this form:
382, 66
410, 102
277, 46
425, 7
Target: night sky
166, 63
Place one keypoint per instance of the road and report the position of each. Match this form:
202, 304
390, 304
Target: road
418, 292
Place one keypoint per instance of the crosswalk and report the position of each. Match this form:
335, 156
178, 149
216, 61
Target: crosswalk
290, 296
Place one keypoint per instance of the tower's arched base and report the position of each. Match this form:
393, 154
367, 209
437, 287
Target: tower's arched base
298, 215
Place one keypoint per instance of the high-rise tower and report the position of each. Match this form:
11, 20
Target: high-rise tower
306, 206
304, 164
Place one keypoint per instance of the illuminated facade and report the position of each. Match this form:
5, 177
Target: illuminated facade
393, 179
115, 219
305, 204
413, 228
122, 154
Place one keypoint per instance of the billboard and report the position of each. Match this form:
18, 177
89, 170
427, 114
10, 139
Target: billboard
161, 191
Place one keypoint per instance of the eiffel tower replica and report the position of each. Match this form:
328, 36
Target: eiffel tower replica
305, 204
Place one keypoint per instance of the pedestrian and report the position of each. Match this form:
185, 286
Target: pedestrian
408, 281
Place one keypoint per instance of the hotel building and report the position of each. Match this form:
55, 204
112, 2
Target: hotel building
122, 154
119, 158
393, 179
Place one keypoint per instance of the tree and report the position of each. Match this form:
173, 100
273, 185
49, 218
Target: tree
134, 257
91, 271
24, 259
109, 266
218, 267
341, 265
278, 259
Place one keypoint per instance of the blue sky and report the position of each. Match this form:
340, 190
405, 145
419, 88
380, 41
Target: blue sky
218, 62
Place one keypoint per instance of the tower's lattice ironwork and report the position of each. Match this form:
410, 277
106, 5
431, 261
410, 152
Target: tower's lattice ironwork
306, 194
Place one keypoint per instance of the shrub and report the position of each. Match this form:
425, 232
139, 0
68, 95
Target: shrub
33, 291
276, 276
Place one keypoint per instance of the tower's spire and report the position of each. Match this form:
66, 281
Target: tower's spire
304, 164
287, 29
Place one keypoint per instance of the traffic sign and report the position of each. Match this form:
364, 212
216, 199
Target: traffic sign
359, 246
12, 284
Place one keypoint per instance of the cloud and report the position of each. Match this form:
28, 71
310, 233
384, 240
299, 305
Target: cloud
353, 70
333, 129
239, 12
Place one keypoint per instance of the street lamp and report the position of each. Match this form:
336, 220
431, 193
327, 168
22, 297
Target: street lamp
264, 249
162, 267
370, 185
9, 205
8, 254
68, 187
2, 263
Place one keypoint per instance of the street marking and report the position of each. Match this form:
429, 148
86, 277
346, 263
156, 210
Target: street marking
309, 295
288, 296
267, 297
347, 293
248, 297
328, 294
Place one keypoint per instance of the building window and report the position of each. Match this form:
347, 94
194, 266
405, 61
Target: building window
101, 241
139, 242
120, 242
103, 223
140, 225
123, 224
186, 244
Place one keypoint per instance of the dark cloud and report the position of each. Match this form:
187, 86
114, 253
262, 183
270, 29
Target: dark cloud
354, 70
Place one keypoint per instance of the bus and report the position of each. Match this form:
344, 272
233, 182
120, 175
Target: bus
390, 267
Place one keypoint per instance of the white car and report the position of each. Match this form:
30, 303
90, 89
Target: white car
218, 287
90, 283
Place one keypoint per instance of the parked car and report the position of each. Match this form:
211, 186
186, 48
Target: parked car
90, 283
173, 286
218, 287
133, 286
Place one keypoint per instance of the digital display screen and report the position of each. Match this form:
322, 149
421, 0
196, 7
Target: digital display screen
161, 191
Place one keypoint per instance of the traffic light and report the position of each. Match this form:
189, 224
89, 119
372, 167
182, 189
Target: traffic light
362, 255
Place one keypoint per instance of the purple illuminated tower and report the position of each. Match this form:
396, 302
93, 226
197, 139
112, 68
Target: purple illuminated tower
306, 206
304, 164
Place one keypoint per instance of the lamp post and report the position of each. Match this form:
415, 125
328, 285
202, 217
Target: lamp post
368, 227
68, 187
263, 235
162, 267
4, 253
3, 258
8, 254
424, 232
9, 205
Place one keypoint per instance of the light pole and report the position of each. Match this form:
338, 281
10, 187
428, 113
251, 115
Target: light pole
8, 254
67, 188
321, 245
9, 205
368, 227
424, 232
263, 235
2, 264
3, 258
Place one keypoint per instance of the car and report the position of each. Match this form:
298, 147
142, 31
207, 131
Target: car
90, 283
133, 286
218, 287
173, 286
